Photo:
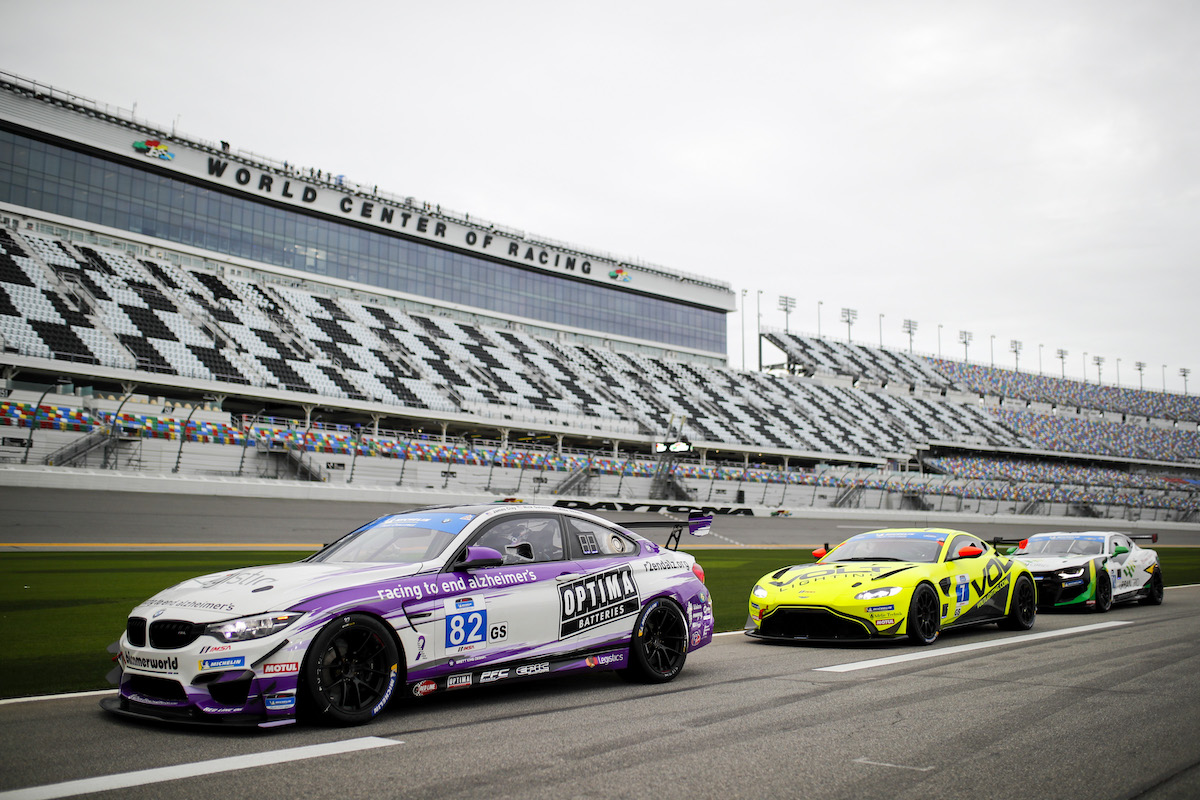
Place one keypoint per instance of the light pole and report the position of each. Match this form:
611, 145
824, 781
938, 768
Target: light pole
992, 348
60, 381
939, 340
909, 327
786, 305
1140, 366
1164, 374
1040, 346
848, 317
758, 327
881, 331
1183, 373
1015, 346
1062, 356
965, 337
819, 304
1118, 373
744, 328
1084, 366
1099, 362
183, 431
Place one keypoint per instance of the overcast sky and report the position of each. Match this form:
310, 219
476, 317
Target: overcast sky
1022, 170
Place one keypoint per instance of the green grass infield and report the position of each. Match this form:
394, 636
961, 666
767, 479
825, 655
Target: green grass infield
60, 611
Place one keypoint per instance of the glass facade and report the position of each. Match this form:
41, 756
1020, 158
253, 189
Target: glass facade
59, 180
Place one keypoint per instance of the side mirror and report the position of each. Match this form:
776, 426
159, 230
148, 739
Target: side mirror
1120, 550
819, 553
479, 556
969, 552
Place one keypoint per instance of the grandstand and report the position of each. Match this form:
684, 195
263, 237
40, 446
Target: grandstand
133, 342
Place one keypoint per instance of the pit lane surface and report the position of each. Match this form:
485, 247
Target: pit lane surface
1098, 713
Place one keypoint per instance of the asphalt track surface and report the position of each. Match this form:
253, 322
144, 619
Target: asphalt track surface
1103, 712
1096, 713
40, 519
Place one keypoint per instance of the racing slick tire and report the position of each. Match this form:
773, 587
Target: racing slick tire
1154, 593
1104, 595
659, 645
1022, 610
924, 615
350, 671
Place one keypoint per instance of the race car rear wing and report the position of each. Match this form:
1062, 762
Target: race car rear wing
697, 523
1144, 537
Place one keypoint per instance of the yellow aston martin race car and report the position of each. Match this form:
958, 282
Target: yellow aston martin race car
881, 584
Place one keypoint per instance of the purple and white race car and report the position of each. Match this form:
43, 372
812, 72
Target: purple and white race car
425, 601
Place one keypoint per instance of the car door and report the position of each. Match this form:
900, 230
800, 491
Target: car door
1126, 569
979, 585
599, 605
500, 614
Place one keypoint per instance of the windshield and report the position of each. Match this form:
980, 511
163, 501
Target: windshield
921, 548
397, 539
1062, 546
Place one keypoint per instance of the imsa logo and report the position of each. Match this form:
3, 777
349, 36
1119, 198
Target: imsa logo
597, 599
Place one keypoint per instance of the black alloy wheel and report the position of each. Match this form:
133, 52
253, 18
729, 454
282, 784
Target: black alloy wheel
350, 671
660, 643
1022, 610
1104, 595
1154, 593
924, 615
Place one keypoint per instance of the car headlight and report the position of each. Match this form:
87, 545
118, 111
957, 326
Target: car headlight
1070, 573
875, 594
255, 627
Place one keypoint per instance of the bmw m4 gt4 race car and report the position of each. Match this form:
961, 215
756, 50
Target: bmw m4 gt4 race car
1092, 569
432, 600
889, 583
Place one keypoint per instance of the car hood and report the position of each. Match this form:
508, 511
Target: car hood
255, 590
834, 577
1050, 563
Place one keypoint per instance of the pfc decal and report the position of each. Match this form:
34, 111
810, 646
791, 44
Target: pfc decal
493, 675
596, 599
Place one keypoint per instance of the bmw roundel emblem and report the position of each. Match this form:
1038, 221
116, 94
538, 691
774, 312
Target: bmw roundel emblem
158, 613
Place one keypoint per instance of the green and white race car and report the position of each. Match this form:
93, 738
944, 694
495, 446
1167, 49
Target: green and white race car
1092, 569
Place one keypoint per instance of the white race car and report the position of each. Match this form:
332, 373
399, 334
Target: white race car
431, 600
1092, 569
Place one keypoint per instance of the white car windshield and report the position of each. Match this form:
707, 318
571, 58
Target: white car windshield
1061, 546
396, 539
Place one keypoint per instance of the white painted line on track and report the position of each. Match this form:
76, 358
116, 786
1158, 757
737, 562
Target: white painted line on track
66, 696
147, 776
965, 648
896, 766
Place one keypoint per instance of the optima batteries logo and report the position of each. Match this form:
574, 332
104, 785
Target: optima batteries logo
153, 148
621, 275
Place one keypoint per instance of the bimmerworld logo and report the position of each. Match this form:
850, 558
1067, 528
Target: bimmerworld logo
153, 148
620, 274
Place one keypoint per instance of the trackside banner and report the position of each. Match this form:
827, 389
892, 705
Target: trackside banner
653, 508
